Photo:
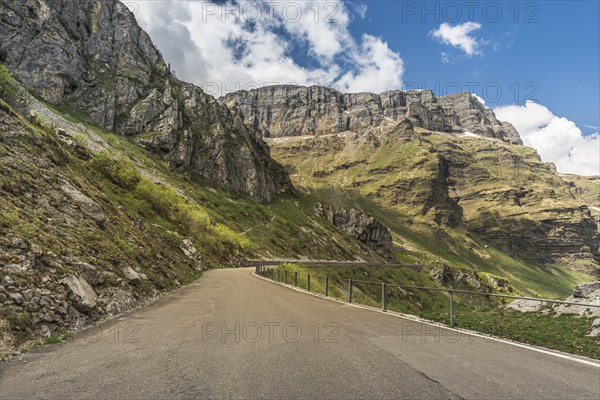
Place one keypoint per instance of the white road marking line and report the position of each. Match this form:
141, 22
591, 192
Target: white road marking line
555, 353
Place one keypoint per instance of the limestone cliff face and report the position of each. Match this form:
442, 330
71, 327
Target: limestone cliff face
297, 111
93, 57
359, 226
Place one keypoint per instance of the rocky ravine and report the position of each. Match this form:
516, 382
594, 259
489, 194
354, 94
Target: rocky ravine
92, 56
299, 111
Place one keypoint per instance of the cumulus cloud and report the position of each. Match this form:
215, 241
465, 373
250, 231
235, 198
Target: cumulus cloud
556, 139
458, 36
228, 46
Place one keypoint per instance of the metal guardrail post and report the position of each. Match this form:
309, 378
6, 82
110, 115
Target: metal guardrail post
278, 275
295, 278
451, 307
308, 282
326, 286
383, 296
349, 290
285, 276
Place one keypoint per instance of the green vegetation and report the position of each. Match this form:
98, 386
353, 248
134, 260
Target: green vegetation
119, 171
402, 185
9, 89
151, 209
564, 333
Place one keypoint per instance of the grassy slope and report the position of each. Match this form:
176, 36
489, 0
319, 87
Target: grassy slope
394, 182
284, 228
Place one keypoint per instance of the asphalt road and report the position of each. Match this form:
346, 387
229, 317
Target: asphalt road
233, 335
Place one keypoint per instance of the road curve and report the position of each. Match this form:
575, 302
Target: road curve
233, 335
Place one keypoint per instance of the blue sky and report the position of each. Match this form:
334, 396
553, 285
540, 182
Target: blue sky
535, 63
553, 44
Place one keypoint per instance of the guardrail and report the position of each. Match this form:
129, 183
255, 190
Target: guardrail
266, 263
275, 275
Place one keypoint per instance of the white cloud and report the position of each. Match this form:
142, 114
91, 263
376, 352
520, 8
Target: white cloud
556, 139
458, 36
224, 47
379, 68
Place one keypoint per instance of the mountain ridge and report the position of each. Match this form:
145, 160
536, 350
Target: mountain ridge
289, 110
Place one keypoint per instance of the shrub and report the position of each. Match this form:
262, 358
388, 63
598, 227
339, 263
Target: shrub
160, 199
119, 171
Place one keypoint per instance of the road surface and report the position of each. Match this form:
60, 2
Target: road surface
234, 335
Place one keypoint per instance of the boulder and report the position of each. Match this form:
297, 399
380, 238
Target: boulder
88, 206
17, 298
90, 273
7, 281
523, 305
119, 302
133, 276
18, 243
584, 294
587, 290
81, 293
188, 248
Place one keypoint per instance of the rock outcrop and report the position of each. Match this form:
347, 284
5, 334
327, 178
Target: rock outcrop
584, 296
279, 111
88, 206
92, 56
359, 226
80, 292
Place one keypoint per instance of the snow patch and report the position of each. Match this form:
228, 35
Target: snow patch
479, 99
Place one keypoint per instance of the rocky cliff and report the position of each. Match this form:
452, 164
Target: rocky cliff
482, 190
358, 225
280, 111
92, 56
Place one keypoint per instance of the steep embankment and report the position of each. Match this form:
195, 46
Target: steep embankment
91, 56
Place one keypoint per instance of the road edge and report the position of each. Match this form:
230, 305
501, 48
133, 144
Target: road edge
414, 318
